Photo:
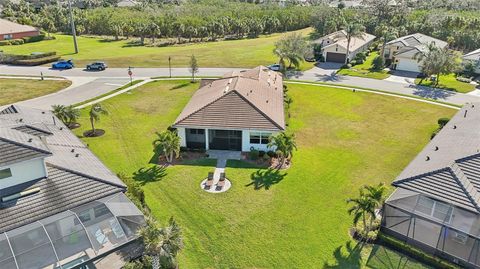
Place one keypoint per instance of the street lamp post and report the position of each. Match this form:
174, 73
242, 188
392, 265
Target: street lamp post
72, 24
170, 66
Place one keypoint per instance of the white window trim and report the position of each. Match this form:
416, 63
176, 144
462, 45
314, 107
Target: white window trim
261, 135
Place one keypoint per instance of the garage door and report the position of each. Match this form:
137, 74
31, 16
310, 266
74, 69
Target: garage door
335, 57
408, 65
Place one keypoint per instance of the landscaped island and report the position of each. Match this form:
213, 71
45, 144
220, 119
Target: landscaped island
269, 219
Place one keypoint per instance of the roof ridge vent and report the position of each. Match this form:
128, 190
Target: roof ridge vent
30, 140
465, 115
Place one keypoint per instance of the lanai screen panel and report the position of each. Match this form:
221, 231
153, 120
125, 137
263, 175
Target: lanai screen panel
71, 237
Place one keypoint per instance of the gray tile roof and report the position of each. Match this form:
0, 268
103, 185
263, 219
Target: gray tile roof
252, 99
62, 190
448, 168
416, 42
75, 175
16, 146
59, 143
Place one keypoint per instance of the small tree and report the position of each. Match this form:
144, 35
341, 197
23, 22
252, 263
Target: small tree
193, 67
95, 112
378, 63
284, 144
291, 48
60, 112
168, 142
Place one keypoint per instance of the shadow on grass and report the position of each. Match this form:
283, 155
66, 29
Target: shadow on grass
149, 174
264, 179
350, 257
382, 257
179, 86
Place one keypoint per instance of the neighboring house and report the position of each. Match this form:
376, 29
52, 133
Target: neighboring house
436, 205
127, 3
403, 50
474, 57
239, 112
334, 46
12, 30
59, 205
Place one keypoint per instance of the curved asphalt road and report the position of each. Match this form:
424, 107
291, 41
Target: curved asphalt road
97, 83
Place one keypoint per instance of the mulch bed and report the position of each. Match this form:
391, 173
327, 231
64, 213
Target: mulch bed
272, 163
90, 133
184, 156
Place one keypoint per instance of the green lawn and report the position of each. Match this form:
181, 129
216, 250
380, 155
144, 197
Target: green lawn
291, 219
449, 82
364, 70
15, 90
233, 53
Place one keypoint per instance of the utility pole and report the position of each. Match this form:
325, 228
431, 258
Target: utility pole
170, 66
72, 23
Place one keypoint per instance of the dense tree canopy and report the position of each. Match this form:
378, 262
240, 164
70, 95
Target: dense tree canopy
185, 20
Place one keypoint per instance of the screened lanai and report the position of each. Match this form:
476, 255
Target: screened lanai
435, 226
73, 236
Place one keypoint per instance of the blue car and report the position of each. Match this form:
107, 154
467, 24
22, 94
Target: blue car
63, 65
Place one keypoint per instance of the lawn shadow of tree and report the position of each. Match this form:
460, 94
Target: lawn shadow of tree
264, 179
146, 175
179, 86
351, 259
382, 257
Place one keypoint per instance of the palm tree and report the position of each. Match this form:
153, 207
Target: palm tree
152, 241
376, 194
284, 144
60, 112
162, 244
436, 61
95, 111
169, 143
386, 34
352, 30
292, 48
361, 209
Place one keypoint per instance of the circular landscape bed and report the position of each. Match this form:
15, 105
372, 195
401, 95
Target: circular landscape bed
97, 133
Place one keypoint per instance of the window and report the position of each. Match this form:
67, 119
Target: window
4, 173
438, 210
197, 131
7, 36
259, 138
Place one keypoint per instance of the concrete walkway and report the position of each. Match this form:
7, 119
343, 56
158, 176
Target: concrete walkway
222, 156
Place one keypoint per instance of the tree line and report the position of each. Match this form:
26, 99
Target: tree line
206, 19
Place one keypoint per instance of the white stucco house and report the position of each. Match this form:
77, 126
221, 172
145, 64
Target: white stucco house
334, 46
474, 57
238, 112
402, 51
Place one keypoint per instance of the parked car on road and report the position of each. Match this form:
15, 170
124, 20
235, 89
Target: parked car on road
63, 65
97, 66
274, 67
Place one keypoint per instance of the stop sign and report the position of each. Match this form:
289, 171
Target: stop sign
130, 72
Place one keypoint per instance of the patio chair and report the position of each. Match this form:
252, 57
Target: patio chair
220, 185
222, 176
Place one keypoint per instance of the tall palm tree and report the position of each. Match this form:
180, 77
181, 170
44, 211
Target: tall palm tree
352, 30
95, 111
284, 144
162, 244
376, 194
386, 34
169, 143
361, 209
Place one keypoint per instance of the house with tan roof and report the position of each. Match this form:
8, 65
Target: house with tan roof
334, 46
401, 51
238, 112
12, 30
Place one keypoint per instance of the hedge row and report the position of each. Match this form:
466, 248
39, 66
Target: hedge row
415, 252
20, 41
37, 61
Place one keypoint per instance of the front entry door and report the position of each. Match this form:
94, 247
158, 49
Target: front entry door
225, 140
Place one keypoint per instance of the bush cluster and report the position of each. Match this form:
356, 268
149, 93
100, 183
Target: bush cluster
23, 40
